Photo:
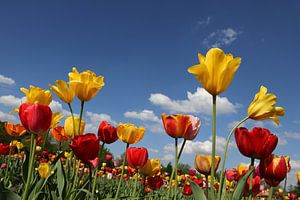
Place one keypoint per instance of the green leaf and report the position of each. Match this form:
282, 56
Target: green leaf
11, 195
198, 192
239, 189
61, 178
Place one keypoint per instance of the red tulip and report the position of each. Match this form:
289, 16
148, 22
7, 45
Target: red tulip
273, 169
155, 182
256, 143
107, 133
181, 126
187, 190
108, 157
136, 157
35, 118
85, 147
255, 186
4, 149
232, 175
192, 172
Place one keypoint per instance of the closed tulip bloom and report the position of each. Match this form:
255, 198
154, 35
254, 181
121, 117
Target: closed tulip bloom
43, 169
232, 175
187, 190
181, 126
151, 168
129, 133
203, 163
263, 107
108, 157
155, 182
62, 90
37, 95
255, 186
136, 157
107, 133
242, 169
14, 130
273, 169
85, 84
192, 172
35, 118
56, 117
85, 147
4, 149
58, 133
216, 70
257, 143
69, 126
298, 177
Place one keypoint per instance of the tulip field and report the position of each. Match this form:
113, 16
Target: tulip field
50, 156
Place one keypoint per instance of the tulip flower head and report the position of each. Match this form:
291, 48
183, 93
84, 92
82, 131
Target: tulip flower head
273, 169
155, 182
62, 90
216, 70
255, 186
56, 117
203, 163
232, 175
58, 133
14, 130
136, 157
242, 169
257, 143
37, 95
69, 126
43, 169
263, 107
35, 118
107, 133
4, 149
187, 190
129, 133
151, 168
86, 84
181, 126
298, 177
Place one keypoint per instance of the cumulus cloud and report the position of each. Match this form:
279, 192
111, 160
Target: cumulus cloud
221, 37
292, 135
11, 101
155, 128
232, 124
6, 80
7, 117
198, 102
145, 115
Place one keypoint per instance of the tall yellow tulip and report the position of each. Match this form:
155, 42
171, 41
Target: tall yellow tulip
151, 168
298, 177
129, 133
62, 90
37, 95
43, 169
203, 163
263, 107
85, 84
69, 126
56, 117
216, 70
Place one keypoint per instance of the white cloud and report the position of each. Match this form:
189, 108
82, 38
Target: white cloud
7, 117
145, 115
155, 128
192, 147
204, 22
94, 119
6, 80
292, 135
168, 157
221, 37
198, 102
153, 150
282, 141
295, 164
11, 101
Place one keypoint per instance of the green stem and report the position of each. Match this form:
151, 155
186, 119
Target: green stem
80, 116
251, 179
175, 168
135, 182
206, 185
100, 153
225, 155
271, 193
94, 183
72, 114
213, 152
45, 139
284, 188
91, 179
30, 166
121, 178
181, 149
170, 184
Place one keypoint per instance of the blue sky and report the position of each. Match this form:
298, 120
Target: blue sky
143, 49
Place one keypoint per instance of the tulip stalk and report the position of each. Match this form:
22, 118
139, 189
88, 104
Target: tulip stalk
175, 168
206, 185
80, 116
225, 155
271, 193
251, 178
181, 149
120, 181
72, 114
135, 182
30, 166
213, 152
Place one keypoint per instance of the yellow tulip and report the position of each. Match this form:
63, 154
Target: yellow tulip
69, 126
37, 95
242, 169
62, 90
151, 168
43, 169
85, 84
216, 70
203, 163
16, 143
262, 107
56, 117
129, 133
298, 177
